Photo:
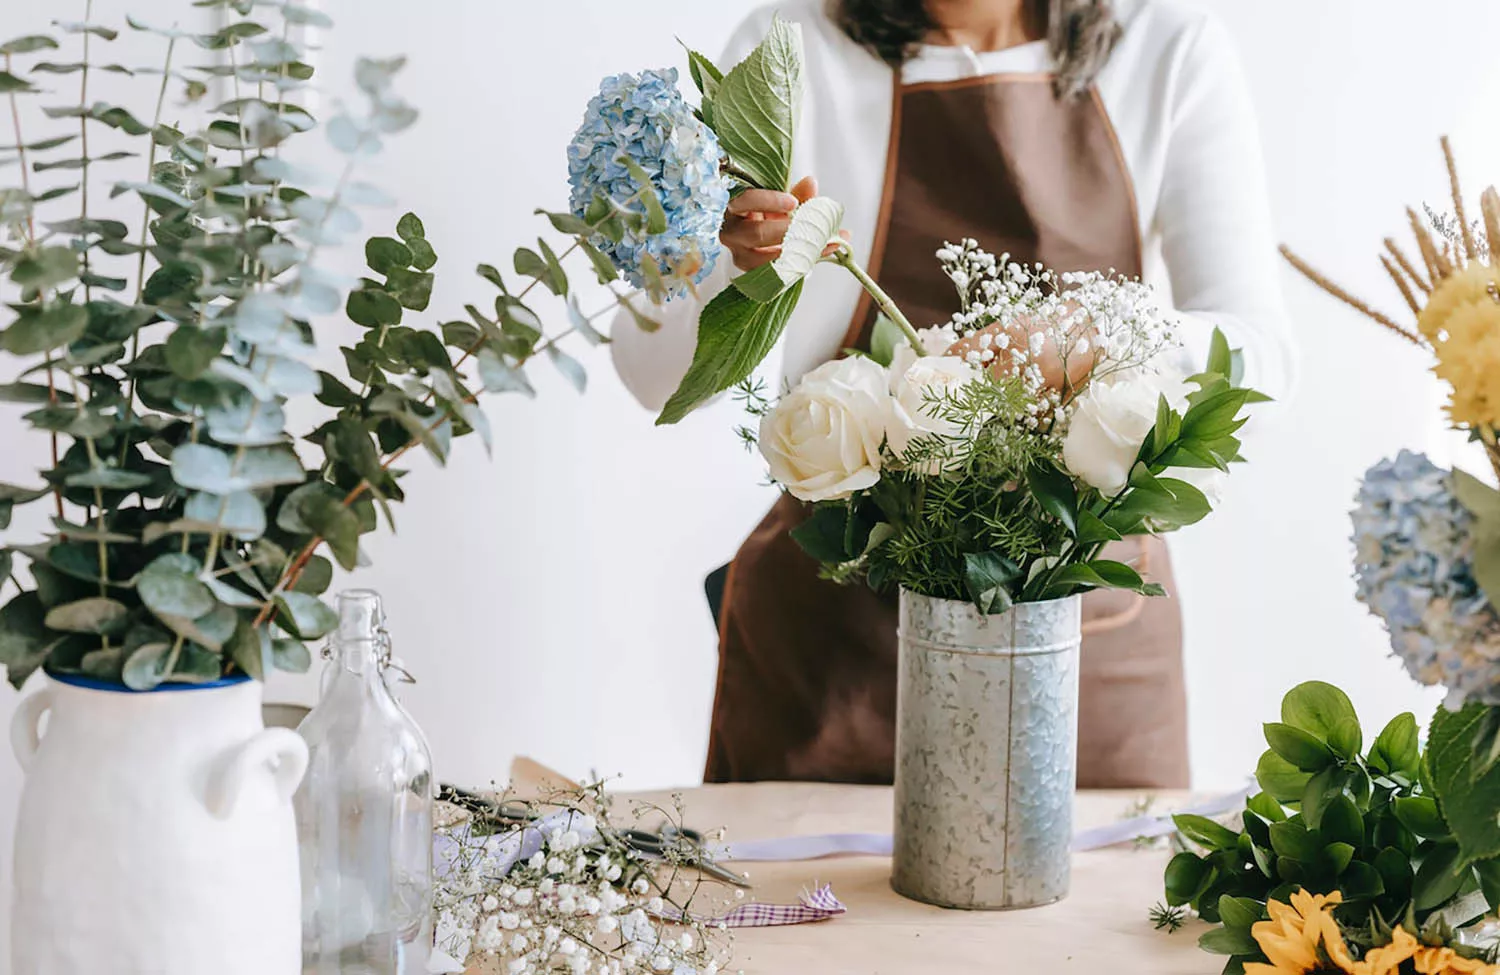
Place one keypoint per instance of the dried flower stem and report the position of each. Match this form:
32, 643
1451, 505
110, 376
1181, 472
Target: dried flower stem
1437, 267
1317, 278
1403, 262
1402, 284
1471, 250
1490, 205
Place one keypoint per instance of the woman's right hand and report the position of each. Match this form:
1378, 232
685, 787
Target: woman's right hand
757, 220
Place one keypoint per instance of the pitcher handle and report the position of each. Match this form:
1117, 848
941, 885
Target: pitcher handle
25, 726
279, 751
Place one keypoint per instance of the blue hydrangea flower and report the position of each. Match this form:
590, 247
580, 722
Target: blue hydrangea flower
646, 119
1414, 543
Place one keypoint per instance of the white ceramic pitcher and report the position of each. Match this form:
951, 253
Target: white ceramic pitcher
155, 832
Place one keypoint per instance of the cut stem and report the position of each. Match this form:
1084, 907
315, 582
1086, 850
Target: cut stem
883, 301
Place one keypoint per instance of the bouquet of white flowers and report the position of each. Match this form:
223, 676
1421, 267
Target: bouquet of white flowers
992, 458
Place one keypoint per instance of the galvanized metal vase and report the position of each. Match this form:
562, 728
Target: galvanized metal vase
986, 752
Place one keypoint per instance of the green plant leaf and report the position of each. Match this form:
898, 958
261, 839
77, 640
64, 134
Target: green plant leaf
1438, 878
290, 656
1420, 815
1298, 747
169, 586
1342, 823
250, 649
986, 576
813, 226
1292, 840
1056, 493
45, 268
1466, 798
191, 350
386, 254
306, 615
93, 615
410, 228
1395, 749
756, 107
146, 666
41, 329
1240, 913
1205, 832
1316, 708
372, 308
1281, 779
1185, 877
735, 334
1228, 941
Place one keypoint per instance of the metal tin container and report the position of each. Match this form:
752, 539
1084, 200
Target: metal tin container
986, 752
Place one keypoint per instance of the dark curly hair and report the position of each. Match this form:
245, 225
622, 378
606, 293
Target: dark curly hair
1080, 33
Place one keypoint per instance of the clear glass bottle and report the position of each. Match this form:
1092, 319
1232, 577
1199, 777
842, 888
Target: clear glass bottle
364, 812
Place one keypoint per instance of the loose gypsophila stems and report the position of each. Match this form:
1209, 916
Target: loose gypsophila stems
844, 257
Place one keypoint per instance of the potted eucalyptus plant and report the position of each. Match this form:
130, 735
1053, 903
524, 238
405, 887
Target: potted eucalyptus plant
192, 532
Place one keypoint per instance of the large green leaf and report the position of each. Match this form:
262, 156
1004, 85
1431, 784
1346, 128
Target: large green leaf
1317, 708
756, 106
1467, 800
734, 334
813, 226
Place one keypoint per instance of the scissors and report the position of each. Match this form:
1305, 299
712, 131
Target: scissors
686, 844
508, 813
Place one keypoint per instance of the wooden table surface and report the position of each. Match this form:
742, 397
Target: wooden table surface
1101, 928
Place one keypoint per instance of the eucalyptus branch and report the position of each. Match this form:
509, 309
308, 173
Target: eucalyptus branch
140, 265
83, 136
578, 240
15, 119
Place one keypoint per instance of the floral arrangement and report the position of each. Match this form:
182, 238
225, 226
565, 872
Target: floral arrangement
992, 458
1427, 540
1343, 862
553, 885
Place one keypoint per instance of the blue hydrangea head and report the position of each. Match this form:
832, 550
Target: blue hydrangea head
645, 119
1414, 546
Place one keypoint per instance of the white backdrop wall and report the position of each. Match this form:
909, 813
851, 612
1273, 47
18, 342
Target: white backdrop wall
549, 599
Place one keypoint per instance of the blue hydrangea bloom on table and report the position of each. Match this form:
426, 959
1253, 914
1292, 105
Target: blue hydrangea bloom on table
1414, 544
644, 118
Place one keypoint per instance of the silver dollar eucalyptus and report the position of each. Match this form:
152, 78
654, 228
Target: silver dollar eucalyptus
160, 359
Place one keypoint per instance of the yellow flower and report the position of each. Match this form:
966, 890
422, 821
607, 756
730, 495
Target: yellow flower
1472, 283
1302, 939
1446, 961
1388, 960
1462, 321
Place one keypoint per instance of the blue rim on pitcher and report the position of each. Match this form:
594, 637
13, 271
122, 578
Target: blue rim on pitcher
95, 684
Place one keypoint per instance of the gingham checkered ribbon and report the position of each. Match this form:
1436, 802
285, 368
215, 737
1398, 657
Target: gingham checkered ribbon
817, 905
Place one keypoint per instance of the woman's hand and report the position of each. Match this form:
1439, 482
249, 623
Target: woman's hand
757, 220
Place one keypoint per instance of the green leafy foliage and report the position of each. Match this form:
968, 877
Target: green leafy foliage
754, 108
162, 356
1327, 819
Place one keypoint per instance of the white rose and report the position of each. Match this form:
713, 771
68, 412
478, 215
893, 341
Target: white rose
935, 341
822, 440
1110, 421
914, 392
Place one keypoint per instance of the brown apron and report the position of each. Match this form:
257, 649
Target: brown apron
807, 668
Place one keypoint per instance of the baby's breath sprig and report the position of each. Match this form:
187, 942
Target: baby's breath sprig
560, 890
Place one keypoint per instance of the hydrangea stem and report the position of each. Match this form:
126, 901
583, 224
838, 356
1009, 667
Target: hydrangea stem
883, 301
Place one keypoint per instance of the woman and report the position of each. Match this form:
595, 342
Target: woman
1081, 134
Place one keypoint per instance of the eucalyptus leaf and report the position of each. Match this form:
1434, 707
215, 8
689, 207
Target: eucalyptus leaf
306, 615
169, 587
97, 614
